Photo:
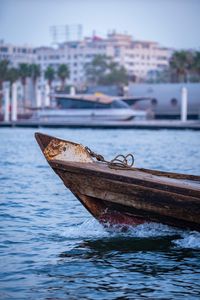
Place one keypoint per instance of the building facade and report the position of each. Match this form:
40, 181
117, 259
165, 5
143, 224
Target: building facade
17, 54
139, 58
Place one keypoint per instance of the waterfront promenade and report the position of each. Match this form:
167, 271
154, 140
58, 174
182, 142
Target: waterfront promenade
139, 124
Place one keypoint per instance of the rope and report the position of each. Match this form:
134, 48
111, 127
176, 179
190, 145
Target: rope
122, 162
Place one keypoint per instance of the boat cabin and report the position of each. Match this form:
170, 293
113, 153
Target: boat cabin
96, 101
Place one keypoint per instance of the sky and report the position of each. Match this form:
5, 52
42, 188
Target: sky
172, 23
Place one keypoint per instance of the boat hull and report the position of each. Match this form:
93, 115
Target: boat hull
113, 202
124, 197
84, 115
106, 212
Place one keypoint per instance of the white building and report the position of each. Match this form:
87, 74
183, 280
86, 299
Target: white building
17, 54
138, 57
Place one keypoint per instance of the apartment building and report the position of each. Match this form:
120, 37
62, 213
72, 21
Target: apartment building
138, 57
75, 54
17, 54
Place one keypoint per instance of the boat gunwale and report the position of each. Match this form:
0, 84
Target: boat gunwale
172, 175
148, 182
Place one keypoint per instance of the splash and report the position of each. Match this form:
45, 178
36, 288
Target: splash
91, 229
149, 230
189, 239
88, 229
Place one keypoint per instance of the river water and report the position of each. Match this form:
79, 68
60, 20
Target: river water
52, 248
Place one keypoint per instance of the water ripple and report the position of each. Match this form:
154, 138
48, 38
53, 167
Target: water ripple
51, 248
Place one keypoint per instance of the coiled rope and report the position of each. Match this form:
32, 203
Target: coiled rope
122, 162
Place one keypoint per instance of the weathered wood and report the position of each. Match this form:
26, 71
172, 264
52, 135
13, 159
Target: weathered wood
164, 204
125, 196
187, 187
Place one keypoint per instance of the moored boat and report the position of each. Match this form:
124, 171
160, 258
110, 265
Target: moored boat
87, 107
116, 193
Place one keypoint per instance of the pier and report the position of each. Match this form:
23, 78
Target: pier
140, 124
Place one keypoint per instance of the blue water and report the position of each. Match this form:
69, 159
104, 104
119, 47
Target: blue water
50, 246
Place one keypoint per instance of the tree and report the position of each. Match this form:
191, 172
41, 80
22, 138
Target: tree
24, 72
196, 65
63, 73
49, 75
102, 70
34, 72
181, 64
3, 76
116, 75
3, 71
12, 75
96, 69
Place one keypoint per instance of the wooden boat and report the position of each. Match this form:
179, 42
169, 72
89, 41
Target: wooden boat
124, 196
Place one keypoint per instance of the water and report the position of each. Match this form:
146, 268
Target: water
51, 248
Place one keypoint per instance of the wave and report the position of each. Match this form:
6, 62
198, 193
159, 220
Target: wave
91, 229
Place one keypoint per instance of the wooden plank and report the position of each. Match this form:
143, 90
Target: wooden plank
190, 189
130, 211
141, 198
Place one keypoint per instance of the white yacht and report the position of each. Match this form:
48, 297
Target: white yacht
88, 107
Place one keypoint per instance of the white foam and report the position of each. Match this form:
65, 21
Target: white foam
189, 240
88, 229
152, 230
93, 229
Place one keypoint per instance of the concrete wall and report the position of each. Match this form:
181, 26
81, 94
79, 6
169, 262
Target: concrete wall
167, 98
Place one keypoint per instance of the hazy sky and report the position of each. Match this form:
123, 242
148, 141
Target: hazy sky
173, 23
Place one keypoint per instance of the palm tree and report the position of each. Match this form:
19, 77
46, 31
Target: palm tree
63, 74
181, 64
13, 75
196, 66
34, 71
24, 72
3, 71
49, 75
3, 76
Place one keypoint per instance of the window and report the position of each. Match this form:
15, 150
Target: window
4, 49
154, 101
117, 51
74, 103
84, 104
174, 102
119, 104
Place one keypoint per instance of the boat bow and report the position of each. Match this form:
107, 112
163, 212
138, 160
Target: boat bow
117, 196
